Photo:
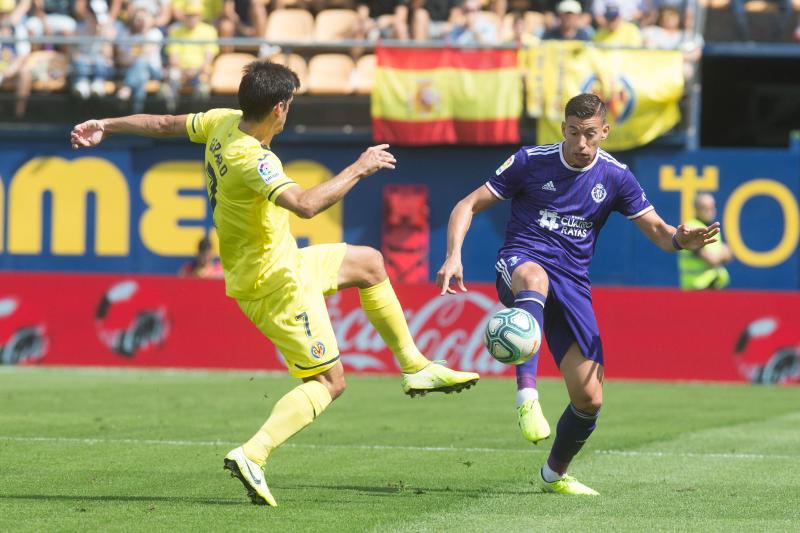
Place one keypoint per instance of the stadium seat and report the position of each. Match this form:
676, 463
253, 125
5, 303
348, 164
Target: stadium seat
290, 25
330, 74
227, 72
153, 86
760, 6
365, 74
295, 63
49, 70
335, 25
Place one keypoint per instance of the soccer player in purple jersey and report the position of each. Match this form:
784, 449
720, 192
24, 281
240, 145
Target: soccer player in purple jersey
561, 195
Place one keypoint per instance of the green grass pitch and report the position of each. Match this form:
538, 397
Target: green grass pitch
117, 450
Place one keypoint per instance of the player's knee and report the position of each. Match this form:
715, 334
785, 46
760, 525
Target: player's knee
530, 276
336, 387
372, 263
589, 403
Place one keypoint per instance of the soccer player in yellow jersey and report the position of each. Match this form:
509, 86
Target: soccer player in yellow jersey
279, 287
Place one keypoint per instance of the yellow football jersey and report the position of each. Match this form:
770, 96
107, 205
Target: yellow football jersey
258, 253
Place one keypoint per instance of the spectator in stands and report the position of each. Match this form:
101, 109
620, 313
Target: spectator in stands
472, 27
617, 31
107, 10
569, 23
703, 269
382, 19
628, 10
668, 35
243, 18
205, 265
520, 34
652, 8
13, 56
160, 11
15, 11
52, 17
93, 58
548, 10
140, 62
211, 10
190, 64
433, 19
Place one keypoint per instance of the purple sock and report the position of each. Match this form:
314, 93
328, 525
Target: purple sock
532, 302
574, 427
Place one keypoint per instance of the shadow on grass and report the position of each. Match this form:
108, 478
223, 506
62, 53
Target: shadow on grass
392, 488
146, 499
399, 488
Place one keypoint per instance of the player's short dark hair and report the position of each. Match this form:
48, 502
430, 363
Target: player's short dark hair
263, 85
585, 106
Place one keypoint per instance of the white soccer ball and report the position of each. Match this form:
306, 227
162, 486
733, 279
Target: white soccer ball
512, 336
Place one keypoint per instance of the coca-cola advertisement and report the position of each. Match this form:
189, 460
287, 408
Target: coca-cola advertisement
159, 321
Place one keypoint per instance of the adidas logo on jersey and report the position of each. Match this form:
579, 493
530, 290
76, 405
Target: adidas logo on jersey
549, 187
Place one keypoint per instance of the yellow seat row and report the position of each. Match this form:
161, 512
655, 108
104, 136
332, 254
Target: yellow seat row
323, 74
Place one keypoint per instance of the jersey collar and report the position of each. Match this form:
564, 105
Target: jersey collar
576, 169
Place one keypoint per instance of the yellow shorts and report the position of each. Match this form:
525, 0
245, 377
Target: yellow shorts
295, 318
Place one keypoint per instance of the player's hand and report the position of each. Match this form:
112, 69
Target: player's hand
696, 238
374, 159
451, 269
87, 134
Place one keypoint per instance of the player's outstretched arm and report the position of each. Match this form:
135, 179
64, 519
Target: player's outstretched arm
307, 203
460, 220
92, 132
671, 239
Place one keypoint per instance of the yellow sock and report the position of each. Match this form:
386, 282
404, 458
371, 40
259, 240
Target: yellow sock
384, 312
297, 409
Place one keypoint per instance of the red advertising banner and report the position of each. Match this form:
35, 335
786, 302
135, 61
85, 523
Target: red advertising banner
147, 321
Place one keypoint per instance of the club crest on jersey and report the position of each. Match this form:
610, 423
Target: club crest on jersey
599, 193
317, 350
267, 171
508, 163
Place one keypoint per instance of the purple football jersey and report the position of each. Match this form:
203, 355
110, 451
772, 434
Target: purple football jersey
557, 210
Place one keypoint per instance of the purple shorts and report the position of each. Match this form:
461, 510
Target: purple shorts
568, 313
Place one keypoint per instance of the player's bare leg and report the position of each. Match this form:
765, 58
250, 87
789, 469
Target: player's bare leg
530, 284
294, 411
362, 267
584, 380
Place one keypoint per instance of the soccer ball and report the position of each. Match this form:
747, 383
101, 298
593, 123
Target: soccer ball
512, 336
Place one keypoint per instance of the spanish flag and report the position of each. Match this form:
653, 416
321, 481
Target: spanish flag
446, 96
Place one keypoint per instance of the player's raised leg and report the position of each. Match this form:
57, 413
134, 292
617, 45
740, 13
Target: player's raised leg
363, 268
584, 380
529, 284
294, 411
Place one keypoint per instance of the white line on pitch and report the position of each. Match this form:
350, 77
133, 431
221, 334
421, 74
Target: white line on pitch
169, 442
708, 455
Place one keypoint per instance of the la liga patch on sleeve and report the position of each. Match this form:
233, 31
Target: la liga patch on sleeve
508, 163
268, 171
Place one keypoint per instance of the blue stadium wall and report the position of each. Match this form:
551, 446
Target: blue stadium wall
138, 205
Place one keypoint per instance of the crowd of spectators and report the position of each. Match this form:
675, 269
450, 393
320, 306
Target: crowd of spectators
132, 53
